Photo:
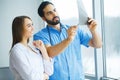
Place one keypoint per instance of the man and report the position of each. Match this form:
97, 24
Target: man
63, 43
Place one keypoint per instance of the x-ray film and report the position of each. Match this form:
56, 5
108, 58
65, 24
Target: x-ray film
83, 16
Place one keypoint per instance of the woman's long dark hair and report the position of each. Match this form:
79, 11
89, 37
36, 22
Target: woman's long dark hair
18, 28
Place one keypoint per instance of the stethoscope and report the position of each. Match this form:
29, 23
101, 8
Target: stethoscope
50, 34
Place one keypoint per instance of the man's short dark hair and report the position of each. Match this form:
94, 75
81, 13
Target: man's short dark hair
42, 6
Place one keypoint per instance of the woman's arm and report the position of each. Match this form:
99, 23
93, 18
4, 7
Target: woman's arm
47, 61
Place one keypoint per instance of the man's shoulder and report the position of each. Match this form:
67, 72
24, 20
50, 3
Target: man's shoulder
40, 34
43, 30
65, 26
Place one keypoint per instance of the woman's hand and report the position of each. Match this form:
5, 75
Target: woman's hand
39, 44
46, 77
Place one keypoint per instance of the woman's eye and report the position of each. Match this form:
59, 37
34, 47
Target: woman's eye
30, 25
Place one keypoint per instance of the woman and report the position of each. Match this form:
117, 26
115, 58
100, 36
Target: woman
28, 63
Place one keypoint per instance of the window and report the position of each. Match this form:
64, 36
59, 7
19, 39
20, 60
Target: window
112, 37
67, 10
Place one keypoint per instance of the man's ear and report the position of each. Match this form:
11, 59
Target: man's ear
43, 18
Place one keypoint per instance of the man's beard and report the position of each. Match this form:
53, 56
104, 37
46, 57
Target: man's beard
52, 22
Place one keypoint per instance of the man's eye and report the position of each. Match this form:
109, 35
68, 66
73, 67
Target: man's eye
49, 13
54, 10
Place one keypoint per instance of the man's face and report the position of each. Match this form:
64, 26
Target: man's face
50, 15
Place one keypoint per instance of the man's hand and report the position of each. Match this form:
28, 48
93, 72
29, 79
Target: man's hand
92, 24
72, 32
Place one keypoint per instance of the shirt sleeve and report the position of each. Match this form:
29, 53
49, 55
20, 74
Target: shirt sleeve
42, 36
85, 36
22, 66
48, 66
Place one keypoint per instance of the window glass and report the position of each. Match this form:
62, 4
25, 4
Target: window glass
67, 10
112, 37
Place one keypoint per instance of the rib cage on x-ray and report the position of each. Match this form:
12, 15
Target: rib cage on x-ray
83, 16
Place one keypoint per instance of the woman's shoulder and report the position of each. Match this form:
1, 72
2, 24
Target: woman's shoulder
17, 47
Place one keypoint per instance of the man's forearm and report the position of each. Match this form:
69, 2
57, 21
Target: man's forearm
96, 40
58, 48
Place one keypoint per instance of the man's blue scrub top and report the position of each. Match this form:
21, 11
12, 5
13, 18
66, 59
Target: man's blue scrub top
68, 64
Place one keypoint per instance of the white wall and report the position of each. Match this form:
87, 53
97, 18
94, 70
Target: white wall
8, 10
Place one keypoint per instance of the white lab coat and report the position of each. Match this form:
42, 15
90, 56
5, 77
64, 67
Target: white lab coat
26, 65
